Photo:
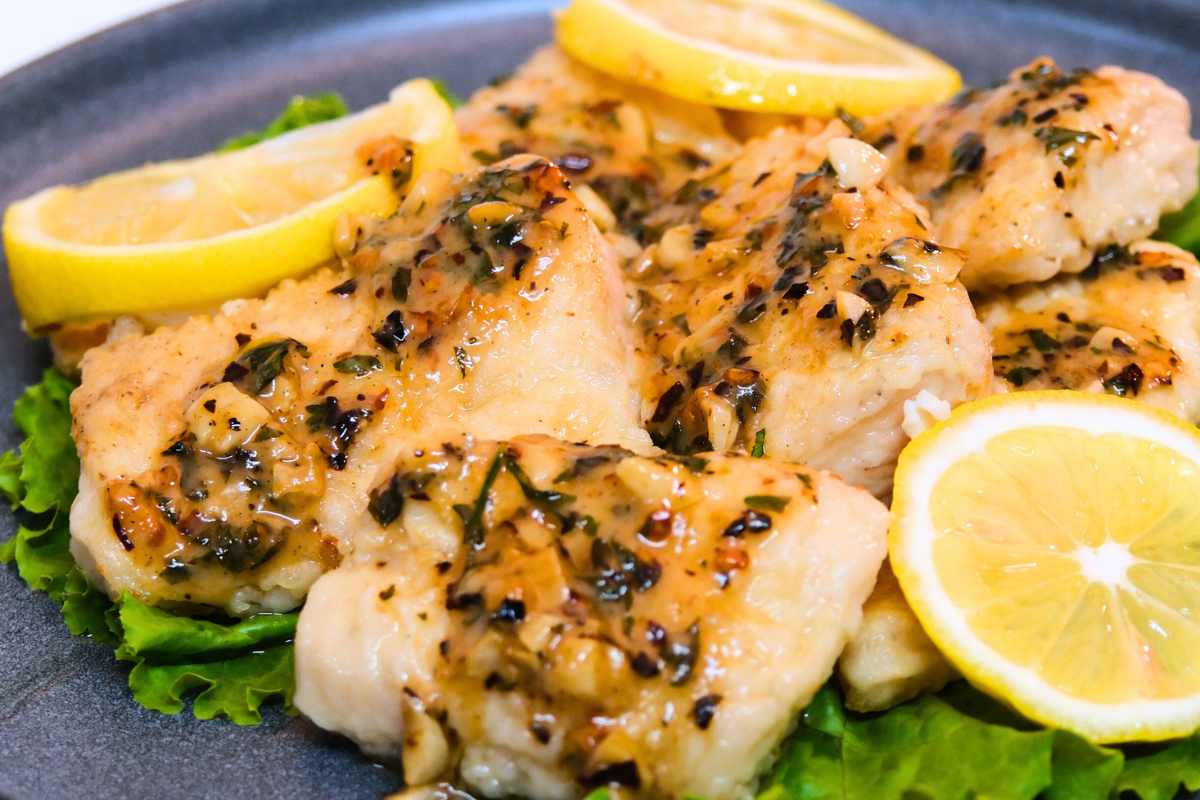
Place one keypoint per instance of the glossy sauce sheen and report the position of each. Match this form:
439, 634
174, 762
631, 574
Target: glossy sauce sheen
632, 146
549, 616
1035, 176
226, 462
535, 618
1128, 325
781, 297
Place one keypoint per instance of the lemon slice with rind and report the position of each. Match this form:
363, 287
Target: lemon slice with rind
1049, 543
783, 56
191, 234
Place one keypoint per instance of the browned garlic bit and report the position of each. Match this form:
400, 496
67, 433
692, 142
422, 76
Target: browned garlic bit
627, 144
226, 462
648, 608
1037, 175
778, 299
1128, 325
544, 617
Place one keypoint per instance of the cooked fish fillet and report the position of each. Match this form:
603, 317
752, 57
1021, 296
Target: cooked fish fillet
1127, 325
226, 462
541, 617
890, 659
628, 144
617, 139
789, 296
1032, 177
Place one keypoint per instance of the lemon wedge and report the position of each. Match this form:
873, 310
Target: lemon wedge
1049, 543
192, 234
783, 56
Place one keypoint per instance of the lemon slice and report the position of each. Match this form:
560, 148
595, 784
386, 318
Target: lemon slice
1049, 543
786, 56
192, 234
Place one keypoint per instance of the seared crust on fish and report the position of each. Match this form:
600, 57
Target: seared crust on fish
226, 462
1033, 177
801, 302
630, 145
1128, 325
546, 618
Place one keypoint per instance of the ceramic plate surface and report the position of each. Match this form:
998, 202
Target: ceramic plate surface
176, 83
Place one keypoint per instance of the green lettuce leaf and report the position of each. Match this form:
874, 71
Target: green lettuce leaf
235, 668
301, 111
1081, 770
87, 610
309, 109
1182, 227
234, 688
43, 558
157, 635
41, 482
1157, 773
925, 748
49, 467
10, 476
962, 744
452, 100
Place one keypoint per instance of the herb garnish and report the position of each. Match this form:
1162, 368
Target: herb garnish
1020, 376
264, 361
473, 527
400, 283
680, 653
546, 499
1066, 141
767, 502
1128, 380
748, 522
387, 502
1042, 340
621, 572
357, 365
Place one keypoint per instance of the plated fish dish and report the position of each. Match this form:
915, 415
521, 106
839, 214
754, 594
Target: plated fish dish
727, 404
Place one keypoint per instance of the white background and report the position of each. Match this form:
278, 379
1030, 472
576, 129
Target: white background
33, 28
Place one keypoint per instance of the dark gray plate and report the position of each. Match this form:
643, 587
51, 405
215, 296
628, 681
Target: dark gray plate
177, 82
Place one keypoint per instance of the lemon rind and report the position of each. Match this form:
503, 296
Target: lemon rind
717, 74
925, 460
54, 280
917, 60
271, 252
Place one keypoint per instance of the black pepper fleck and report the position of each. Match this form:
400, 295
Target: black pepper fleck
510, 610
644, 665
704, 709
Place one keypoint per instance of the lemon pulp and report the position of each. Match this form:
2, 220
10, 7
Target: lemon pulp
1049, 544
781, 56
776, 30
208, 198
1078, 557
188, 235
